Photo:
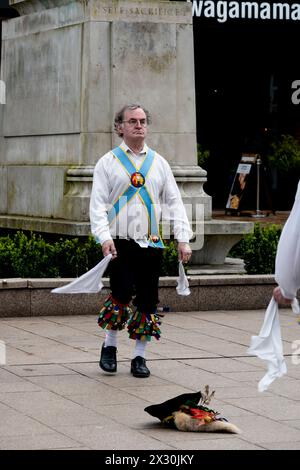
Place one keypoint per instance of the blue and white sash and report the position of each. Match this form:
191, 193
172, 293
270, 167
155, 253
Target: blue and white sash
137, 187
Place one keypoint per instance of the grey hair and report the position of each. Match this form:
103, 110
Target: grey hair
119, 116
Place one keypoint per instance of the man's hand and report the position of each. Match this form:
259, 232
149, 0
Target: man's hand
279, 297
108, 247
184, 252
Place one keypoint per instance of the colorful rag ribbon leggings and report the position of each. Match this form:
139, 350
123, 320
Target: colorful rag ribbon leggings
134, 276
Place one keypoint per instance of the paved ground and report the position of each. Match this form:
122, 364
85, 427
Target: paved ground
279, 218
54, 396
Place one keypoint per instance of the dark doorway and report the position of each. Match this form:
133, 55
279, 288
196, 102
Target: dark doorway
244, 73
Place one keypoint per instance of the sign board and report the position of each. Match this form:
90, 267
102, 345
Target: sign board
244, 171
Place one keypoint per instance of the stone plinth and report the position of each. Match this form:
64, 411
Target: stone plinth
68, 66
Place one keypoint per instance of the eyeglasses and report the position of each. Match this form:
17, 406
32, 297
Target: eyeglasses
134, 122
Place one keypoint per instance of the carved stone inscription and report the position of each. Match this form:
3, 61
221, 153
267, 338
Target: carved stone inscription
157, 12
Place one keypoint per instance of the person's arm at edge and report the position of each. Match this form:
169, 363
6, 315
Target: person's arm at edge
287, 265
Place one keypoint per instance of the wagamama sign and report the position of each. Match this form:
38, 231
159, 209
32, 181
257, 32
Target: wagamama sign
225, 10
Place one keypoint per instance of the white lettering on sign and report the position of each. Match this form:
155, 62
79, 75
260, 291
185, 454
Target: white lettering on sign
296, 93
224, 10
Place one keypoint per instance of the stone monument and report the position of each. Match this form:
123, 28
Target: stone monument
68, 66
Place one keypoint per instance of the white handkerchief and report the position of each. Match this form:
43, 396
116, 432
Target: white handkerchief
90, 282
182, 281
268, 346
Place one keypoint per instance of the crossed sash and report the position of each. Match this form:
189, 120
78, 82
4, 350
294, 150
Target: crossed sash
137, 187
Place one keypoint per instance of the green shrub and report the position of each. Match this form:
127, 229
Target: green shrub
202, 156
31, 255
258, 249
73, 257
170, 260
285, 154
23, 255
7, 248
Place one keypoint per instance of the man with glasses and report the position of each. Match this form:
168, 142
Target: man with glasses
132, 186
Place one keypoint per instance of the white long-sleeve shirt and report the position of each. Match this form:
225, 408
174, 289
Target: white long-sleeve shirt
268, 344
287, 265
111, 180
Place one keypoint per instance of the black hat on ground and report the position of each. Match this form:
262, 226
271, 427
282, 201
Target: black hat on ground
165, 409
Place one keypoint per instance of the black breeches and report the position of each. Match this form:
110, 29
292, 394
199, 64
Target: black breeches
135, 273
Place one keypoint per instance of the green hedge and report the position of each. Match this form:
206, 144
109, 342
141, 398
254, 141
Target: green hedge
258, 249
32, 255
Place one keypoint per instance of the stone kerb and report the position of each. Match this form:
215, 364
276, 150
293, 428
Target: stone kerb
33, 297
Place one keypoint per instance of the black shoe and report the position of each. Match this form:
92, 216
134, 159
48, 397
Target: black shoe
139, 368
108, 359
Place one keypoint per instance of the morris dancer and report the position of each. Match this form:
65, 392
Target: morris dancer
132, 186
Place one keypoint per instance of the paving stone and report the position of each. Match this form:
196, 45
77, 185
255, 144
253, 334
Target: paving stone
223, 365
131, 416
272, 406
49, 408
252, 376
178, 373
282, 445
123, 377
22, 386
54, 396
244, 390
13, 423
39, 370
112, 436
295, 423
73, 384
260, 430
158, 393
37, 442
17, 356
218, 444
286, 387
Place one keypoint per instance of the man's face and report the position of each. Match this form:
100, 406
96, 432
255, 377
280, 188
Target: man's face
134, 126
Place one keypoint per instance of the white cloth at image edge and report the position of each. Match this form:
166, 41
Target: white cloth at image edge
268, 345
